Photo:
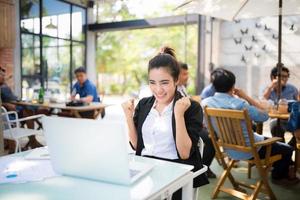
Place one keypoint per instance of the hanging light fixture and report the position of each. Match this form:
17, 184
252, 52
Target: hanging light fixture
51, 25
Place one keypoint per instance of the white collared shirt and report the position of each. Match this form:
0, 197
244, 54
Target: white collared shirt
157, 134
182, 90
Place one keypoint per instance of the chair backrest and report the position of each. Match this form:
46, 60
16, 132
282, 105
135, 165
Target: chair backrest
230, 128
201, 146
5, 119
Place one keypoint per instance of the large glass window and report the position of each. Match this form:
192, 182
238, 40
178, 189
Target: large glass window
122, 64
52, 44
121, 10
30, 16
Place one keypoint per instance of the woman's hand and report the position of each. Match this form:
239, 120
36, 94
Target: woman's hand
128, 108
183, 141
182, 105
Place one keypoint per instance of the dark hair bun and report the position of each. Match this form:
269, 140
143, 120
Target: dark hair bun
167, 50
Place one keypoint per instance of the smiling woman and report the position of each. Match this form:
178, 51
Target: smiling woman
166, 125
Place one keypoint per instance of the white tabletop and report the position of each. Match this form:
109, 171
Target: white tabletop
163, 175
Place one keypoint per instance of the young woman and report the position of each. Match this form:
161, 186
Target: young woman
166, 125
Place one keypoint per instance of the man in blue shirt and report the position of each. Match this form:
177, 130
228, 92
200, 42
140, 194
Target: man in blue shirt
288, 92
84, 87
209, 90
87, 92
224, 82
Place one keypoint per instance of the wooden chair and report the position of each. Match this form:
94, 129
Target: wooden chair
228, 126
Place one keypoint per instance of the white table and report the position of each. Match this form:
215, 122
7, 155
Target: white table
159, 183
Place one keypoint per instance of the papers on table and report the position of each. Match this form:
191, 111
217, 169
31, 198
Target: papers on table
20, 170
38, 154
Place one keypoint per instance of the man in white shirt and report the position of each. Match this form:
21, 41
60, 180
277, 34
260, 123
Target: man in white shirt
183, 79
209, 151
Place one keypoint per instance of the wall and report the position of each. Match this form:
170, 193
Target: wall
7, 62
249, 49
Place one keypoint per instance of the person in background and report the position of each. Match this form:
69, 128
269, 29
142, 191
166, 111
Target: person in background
208, 151
84, 87
225, 98
166, 125
288, 92
183, 79
87, 93
7, 96
209, 90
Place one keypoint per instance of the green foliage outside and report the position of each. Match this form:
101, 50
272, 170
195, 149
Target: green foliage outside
125, 54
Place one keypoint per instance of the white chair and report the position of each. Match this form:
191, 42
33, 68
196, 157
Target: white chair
201, 148
13, 129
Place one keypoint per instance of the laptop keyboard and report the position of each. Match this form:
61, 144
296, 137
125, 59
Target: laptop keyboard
133, 172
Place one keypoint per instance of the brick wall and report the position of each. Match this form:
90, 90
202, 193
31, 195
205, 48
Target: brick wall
6, 62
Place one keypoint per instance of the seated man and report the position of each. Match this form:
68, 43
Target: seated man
209, 90
288, 92
183, 79
224, 98
84, 87
87, 92
208, 151
7, 96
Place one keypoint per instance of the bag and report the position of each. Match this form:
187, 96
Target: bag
294, 119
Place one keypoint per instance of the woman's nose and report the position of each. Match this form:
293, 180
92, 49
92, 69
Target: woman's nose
158, 89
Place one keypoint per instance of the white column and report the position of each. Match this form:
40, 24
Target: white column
17, 53
91, 48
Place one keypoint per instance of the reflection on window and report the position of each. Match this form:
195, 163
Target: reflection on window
78, 19
56, 19
30, 55
121, 10
30, 88
30, 21
122, 64
78, 55
57, 64
49, 63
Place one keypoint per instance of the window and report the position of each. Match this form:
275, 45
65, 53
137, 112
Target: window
122, 64
53, 44
121, 10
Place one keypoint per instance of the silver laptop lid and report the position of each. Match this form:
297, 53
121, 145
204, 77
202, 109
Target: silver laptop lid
87, 148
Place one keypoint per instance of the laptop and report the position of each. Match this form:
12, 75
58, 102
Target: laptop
91, 149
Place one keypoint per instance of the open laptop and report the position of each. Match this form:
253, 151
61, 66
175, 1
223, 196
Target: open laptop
91, 149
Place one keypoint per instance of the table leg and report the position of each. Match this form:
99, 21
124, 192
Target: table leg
33, 143
259, 128
278, 131
77, 114
187, 190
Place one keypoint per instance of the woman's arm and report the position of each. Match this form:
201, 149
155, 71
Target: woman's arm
128, 108
183, 141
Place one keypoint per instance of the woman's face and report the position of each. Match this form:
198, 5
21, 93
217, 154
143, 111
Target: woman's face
162, 85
